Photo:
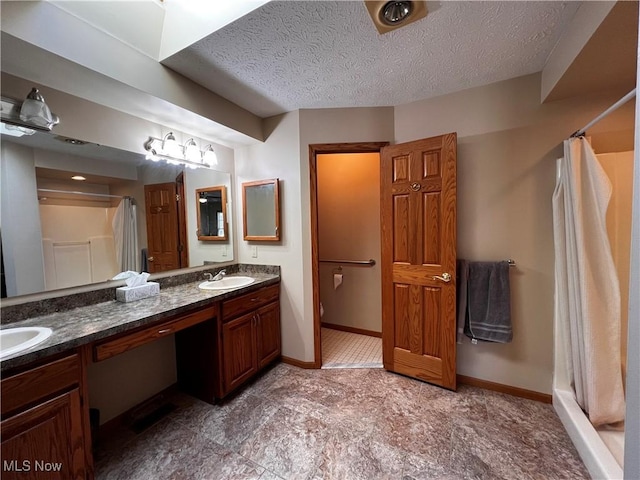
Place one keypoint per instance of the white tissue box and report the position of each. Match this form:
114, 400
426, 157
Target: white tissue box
131, 294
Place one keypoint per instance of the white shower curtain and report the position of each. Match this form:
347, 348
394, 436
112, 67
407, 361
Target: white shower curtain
125, 234
587, 288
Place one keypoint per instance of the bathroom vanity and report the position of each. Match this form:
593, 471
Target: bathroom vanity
223, 339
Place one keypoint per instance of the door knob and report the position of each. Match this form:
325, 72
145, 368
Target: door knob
150, 259
445, 277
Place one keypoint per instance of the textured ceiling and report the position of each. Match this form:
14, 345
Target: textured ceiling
289, 55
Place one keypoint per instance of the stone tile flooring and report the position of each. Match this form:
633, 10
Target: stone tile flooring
346, 424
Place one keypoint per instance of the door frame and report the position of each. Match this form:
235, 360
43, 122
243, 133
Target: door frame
314, 150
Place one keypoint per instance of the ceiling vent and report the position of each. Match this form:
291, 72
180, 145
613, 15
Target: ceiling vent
389, 16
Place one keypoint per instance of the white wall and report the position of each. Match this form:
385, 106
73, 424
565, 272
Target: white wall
507, 147
20, 220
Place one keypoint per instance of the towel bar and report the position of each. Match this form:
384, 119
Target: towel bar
369, 263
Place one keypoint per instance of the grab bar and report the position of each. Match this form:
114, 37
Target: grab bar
369, 263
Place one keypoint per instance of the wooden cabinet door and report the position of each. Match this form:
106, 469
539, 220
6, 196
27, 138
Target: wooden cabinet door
239, 351
46, 441
268, 334
418, 222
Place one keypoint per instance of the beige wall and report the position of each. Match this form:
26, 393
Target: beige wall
349, 228
126, 380
507, 146
285, 154
279, 158
619, 168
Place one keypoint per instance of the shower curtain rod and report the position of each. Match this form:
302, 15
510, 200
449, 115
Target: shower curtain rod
615, 106
88, 194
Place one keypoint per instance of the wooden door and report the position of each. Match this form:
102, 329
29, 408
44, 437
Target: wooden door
162, 227
268, 334
418, 222
239, 351
45, 441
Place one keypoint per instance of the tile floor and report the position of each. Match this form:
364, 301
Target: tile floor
350, 350
347, 424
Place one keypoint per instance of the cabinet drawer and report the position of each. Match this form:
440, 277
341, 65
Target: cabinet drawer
129, 341
245, 303
39, 382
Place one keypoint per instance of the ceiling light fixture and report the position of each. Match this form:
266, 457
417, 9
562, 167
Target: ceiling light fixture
395, 12
389, 16
80, 178
24, 118
169, 150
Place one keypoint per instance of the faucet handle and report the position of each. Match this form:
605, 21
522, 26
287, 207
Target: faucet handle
208, 276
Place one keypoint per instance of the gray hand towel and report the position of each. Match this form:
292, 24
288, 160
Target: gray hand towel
488, 302
462, 274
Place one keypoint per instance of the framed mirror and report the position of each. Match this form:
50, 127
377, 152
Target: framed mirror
212, 213
261, 210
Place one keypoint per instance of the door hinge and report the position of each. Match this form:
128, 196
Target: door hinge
177, 197
181, 248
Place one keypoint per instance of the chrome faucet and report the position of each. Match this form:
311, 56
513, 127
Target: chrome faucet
219, 276
208, 276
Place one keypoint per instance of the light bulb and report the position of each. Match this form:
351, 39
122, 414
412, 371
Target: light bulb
209, 156
192, 152
170, 146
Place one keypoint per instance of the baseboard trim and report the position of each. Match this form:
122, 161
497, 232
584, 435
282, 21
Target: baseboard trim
298, 363
508, 389
344, 328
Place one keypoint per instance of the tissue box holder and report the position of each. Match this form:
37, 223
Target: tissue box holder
131, 294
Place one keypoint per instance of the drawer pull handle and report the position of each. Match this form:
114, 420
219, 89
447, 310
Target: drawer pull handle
255, 299
165, 330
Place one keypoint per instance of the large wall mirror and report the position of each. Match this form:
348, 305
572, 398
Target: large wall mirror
58, 232
212, 213
261, 210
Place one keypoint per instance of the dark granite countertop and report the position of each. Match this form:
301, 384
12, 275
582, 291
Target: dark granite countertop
86, 324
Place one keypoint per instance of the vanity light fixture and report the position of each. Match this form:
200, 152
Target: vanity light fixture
209, 156
169, 150
191, 151
170, 145
35, 111
24, 118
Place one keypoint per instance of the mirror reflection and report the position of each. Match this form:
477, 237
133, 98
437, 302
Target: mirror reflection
212, 213
76, 214
261, 210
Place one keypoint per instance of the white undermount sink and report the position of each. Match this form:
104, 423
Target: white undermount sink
15, 340
226, 282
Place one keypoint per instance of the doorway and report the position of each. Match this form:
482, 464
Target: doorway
345, 219
418, 259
